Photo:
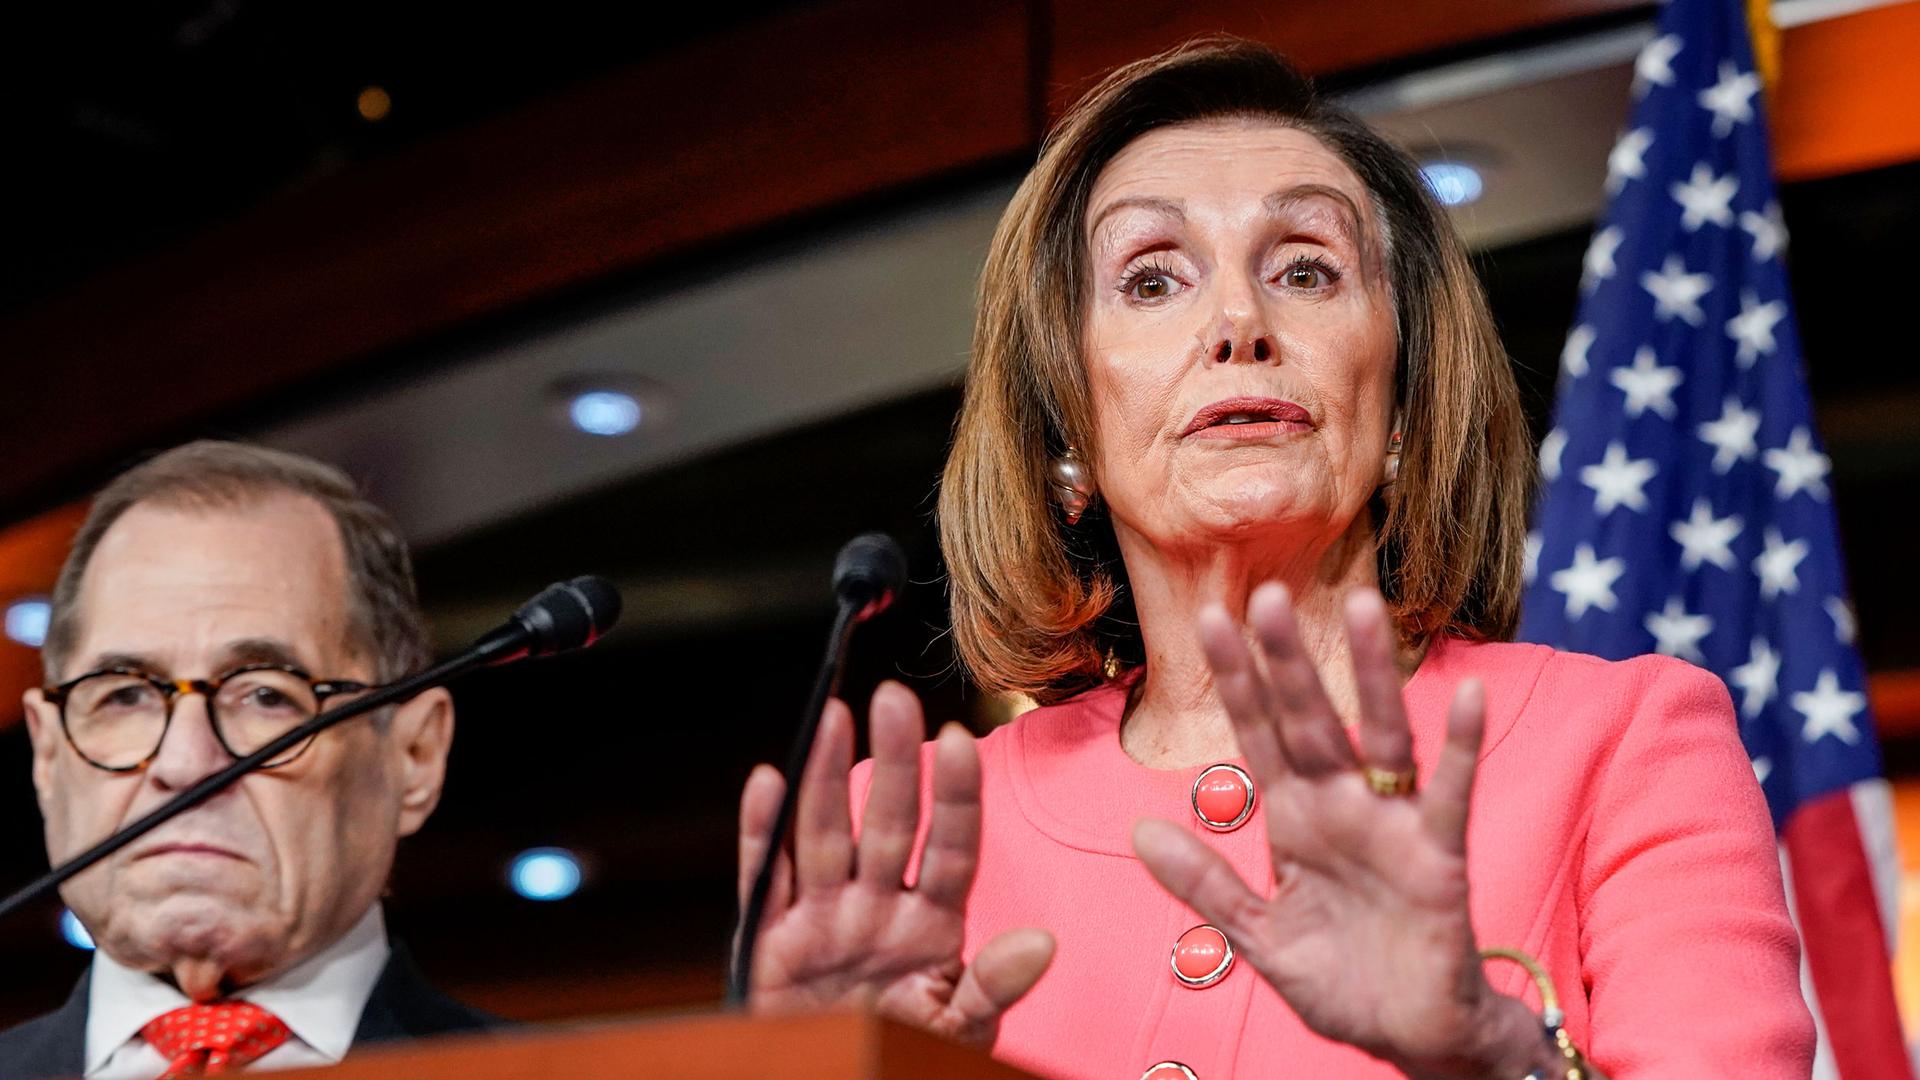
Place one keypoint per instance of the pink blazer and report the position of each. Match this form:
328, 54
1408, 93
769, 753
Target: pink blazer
1617, 834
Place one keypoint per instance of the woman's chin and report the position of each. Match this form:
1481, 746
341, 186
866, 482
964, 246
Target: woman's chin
1243, 511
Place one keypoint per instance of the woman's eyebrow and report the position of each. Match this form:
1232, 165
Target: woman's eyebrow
1171, 207
1348, 216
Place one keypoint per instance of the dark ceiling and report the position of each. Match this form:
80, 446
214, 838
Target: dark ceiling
133, 125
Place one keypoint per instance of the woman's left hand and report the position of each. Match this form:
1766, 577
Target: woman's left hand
1366, 933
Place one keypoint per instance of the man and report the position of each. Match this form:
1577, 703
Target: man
216, 596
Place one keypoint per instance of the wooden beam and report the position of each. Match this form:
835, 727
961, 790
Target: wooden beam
794, 114
1089, 37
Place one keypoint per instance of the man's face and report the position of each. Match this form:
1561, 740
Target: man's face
280, 864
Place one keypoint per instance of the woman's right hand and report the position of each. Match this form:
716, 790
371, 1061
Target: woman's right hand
842, 927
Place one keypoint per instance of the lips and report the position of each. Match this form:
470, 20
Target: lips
187, 848
1260, 413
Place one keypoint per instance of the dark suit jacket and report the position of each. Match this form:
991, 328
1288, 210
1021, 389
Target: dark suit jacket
402, 1006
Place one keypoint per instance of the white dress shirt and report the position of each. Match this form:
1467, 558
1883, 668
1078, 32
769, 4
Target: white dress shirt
320, 1001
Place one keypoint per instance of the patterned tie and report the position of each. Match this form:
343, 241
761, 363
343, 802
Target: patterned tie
205, 1040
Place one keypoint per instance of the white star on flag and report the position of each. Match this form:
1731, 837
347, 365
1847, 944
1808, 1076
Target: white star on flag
1627, 160
1530, 568
1705, 538
1678, 633
1753, 327
1769, 231
1801, 467
1758, 679
1676, 292
1551, 448
1731, 99
1779, 565
1646, 384
1841, 613
1597, 264
1762, 768
1617, 481
1732, 436
1588, 583
1705, 198
1573, 355
1655, 63
1829, 710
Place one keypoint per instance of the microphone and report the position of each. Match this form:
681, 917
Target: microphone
564, 616
868, 573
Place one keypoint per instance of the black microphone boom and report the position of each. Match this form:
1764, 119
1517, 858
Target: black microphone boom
869, 572
568, 615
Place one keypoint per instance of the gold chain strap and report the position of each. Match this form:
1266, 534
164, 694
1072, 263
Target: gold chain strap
1552, 1017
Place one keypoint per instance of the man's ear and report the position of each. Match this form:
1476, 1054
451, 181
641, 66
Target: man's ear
422, 732
43, 732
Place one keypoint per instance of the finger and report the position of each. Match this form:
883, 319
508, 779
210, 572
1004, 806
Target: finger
893, 799
1310, 730
1242, 691
823, 831
1199, 876
1444, 803
1385, 740
759, 809
1006, 968
953, 833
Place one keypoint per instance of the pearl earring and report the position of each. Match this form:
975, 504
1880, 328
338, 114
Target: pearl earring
1071, 484
1391, 472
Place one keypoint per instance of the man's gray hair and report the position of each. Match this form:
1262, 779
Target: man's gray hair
383, 607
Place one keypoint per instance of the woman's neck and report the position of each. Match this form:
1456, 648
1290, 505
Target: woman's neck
1176, 719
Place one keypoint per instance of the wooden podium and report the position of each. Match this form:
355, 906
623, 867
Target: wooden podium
838, 1046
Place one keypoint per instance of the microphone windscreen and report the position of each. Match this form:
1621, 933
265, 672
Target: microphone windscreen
570, 614
870, 572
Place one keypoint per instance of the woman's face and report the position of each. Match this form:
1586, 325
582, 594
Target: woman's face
1240, 337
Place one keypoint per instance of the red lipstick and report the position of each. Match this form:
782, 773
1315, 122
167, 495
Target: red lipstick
1248, 418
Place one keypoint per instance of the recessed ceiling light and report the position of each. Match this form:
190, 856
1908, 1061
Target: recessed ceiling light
1454, 183
605, 412
545, 873
27, 620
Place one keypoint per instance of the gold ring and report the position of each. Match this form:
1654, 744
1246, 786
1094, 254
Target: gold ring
1388, 783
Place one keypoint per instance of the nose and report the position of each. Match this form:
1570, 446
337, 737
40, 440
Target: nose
1240, 331
189, 752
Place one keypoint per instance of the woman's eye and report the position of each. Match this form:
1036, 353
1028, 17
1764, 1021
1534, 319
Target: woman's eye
1153, 287
1150, 283
1308, 274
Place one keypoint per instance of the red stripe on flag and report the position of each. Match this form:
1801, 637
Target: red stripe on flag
1845, 943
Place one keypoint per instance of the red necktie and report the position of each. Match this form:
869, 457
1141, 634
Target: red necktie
205, 1040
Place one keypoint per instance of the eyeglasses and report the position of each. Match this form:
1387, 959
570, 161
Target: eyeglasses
116, 718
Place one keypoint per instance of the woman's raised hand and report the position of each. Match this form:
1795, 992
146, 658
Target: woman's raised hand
842, 928
1365, 931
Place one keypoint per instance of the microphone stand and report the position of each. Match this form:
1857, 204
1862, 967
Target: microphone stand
486, 652
825, 685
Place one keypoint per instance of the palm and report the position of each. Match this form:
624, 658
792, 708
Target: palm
1367, 918
843, 928
1365, 931
895, 953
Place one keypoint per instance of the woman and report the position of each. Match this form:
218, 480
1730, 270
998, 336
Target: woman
1280, 737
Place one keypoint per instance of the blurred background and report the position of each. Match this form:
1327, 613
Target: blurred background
683, 299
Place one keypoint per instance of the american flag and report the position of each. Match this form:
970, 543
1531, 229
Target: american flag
1686, 504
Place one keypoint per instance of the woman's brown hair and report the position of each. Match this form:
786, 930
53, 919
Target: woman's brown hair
1042, 608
